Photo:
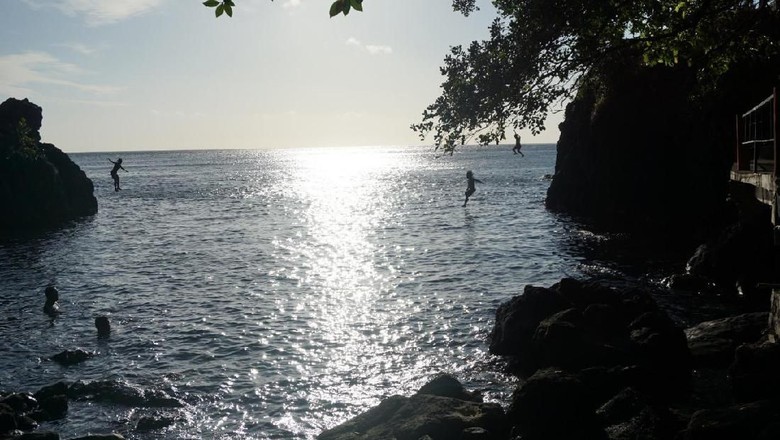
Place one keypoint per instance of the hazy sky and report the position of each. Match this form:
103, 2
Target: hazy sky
165, 74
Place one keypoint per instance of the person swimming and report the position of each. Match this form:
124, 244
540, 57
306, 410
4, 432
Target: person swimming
115, 172
470, 189
51, 307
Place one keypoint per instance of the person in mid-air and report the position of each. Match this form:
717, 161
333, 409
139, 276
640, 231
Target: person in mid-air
115, 172
518, 146
470, 189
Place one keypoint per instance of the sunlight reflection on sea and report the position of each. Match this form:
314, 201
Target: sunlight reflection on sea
278, 293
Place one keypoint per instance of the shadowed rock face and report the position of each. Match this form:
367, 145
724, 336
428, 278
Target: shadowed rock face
40, 186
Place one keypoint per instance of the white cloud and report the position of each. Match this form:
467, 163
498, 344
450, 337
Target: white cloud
19, 72
291, 3
372, 49
80, 48
97, 12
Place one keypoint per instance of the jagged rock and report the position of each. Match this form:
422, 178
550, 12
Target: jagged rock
20, 402
412, 418
121, 393
712, 343
39, 185
72, 357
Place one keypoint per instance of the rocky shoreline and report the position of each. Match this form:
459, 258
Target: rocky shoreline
600, 362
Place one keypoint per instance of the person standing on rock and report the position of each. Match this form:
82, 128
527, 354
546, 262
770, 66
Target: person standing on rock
470, 189
115, 172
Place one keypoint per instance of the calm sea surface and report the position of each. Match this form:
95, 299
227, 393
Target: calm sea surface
278, 293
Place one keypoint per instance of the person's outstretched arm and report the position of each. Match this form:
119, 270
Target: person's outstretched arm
479, 181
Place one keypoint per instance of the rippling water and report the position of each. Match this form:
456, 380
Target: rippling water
278, 293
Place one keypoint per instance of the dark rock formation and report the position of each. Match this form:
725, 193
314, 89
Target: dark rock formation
39, 185
421, 415
751, 421
713, 343
553, 405
754, 371
576, 326
72, 357
645, 148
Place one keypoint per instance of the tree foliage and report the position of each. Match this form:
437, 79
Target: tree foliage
538, 51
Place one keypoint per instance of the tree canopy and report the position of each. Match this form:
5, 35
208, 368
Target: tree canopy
538, 51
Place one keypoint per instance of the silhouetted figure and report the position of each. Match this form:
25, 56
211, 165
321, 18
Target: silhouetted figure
103, 326
115, 172
470, 189
51, 307
518, 146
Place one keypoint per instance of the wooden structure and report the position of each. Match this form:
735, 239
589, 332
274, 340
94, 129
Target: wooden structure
757, 154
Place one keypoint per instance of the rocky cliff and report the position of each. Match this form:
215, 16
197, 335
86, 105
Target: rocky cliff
40, 186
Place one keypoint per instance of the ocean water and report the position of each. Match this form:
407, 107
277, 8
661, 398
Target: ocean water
277, 293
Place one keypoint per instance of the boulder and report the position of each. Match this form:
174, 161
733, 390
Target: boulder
445, 385
630, 415
72, 357
712, 343
421, 415
517, 319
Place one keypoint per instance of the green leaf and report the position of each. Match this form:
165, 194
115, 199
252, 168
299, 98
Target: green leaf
345, 7
357, 4
228, 10
211, 3
230, 3
220, 10
335, 8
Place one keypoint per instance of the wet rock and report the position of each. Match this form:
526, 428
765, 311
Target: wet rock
56, 389
20, 402
72, 357
153, 423
445, 385
713, 343
421, 415
121, 393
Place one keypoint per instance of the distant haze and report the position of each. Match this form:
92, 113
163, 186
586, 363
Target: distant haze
165, 74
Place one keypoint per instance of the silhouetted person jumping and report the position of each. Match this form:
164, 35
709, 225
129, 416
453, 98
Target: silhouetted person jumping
518, 146
115, 172
470, 189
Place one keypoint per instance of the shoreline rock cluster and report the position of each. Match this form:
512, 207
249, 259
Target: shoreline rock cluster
600, 362
21, 413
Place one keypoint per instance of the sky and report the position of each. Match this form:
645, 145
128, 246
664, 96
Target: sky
121, 75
